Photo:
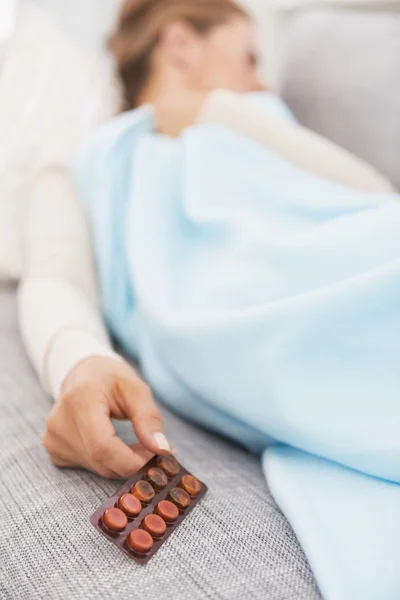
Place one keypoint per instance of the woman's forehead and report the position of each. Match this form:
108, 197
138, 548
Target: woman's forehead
241, 32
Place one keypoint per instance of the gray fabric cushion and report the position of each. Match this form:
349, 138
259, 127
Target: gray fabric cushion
236, 545
341, 77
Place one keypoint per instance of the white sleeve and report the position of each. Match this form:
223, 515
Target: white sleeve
59, 313
297, 144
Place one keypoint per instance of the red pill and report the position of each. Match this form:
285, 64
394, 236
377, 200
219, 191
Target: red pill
167, 511
115, 520
180, 498
191, 485
130, 505
144, 491
169, 465
157, 478
155, 525
140, 541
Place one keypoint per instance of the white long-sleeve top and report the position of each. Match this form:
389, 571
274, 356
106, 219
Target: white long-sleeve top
51, 96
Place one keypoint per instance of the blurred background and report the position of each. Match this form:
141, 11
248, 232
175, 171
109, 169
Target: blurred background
89, 21
83, 18
336, 62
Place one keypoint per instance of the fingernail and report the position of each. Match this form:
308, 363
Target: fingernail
162, 442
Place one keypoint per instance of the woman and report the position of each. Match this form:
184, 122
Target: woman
170, 54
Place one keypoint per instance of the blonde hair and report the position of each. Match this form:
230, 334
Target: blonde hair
140, 25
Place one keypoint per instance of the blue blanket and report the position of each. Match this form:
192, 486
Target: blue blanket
264, 303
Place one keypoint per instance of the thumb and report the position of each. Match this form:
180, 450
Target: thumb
138, 405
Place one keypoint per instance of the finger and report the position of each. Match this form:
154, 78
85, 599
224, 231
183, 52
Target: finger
102, 446
142, 454
57, 449
60, 462
98, 469
59, 454
137, 403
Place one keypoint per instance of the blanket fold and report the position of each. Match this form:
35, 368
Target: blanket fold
262, 301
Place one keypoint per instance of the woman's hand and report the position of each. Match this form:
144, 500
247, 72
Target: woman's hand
176, 113
79, 431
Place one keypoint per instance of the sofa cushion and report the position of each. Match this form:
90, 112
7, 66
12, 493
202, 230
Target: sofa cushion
236, 545
341, 77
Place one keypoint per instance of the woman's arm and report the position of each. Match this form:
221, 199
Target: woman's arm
62, 326
60, 318
297, 144
301, 146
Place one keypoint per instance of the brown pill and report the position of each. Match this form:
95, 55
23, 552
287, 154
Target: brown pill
115, 520
191, 485
140, 541
169, 465
180, 498
144, 491
168, 511
157, 478
130, 504
155, 525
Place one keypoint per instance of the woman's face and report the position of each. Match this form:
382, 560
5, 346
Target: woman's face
227, 57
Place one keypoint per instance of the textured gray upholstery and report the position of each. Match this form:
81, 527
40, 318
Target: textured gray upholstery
341, 77
235, 546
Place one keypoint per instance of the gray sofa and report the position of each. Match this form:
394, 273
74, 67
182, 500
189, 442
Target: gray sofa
237, 545
341, 76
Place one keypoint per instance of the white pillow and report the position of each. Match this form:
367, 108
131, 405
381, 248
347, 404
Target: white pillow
49, 101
